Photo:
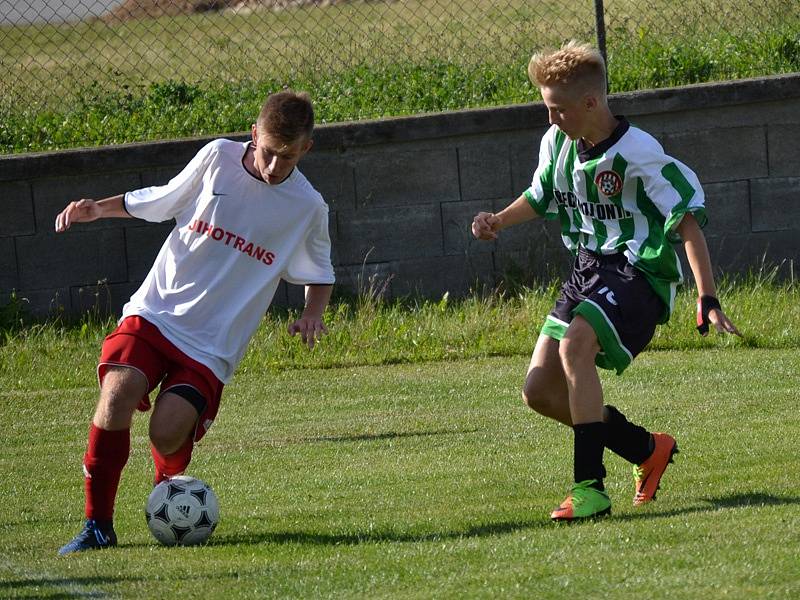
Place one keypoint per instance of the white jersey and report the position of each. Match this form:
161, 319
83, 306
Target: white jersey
234, 239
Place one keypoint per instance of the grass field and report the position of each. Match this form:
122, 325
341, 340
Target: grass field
428, 481
423, 479
91, 84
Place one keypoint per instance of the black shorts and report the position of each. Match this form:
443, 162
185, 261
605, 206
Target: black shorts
617, 301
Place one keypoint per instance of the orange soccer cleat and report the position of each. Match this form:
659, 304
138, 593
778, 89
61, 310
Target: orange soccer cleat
648, 474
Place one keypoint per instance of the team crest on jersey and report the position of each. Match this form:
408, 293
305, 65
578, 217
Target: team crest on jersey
609, 183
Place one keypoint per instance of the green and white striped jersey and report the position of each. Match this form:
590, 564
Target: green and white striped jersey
623, 195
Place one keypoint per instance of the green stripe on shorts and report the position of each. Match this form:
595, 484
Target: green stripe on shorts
615, 355
554, 328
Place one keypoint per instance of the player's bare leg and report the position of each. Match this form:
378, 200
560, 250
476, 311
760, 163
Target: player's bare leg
546, 392
107, 452
545, 389
577, 351
173, 420
172, 427
120, 393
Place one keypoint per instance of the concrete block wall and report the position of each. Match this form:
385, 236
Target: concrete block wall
403, 191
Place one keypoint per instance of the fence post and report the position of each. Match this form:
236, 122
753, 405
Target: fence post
600, 26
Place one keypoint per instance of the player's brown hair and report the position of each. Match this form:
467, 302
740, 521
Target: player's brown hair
575, 65
287, 115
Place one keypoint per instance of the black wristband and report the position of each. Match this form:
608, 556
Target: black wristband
705, 304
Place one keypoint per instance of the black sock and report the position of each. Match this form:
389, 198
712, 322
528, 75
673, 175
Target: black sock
631, 442
590, 441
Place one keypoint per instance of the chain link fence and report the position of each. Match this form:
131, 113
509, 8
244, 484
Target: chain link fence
55, 54
136, 41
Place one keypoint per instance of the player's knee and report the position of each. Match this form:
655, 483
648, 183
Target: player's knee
534, 401
167, 440
116, 403
536, 398
120, 393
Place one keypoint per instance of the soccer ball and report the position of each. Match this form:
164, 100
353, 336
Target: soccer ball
182, 511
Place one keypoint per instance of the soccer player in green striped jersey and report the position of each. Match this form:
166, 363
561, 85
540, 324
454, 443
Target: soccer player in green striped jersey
621, 203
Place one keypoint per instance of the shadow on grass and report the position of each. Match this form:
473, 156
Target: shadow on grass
61, 587
83, 587
541, 520
389, 435
374, 536
753, 500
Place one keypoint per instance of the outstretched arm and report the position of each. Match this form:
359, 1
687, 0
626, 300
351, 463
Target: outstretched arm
85, 211
310, 325
694, 242
486, 225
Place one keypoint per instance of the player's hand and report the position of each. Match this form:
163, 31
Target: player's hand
82, 211
310, 329
721, 322
484, 226
710, 311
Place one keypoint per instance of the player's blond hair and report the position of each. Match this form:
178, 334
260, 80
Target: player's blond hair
288, 115
576, 65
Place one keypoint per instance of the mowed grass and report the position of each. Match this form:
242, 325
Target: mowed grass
401, 476
93, 84
428, 480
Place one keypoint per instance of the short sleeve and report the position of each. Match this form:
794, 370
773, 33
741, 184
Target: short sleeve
674, 190
311, 260
540, 194
163, 202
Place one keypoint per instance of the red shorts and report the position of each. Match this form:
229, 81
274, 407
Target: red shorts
138, 344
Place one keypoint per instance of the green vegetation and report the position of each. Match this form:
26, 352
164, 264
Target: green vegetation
422, 480
92, 84
396, 459
367, 331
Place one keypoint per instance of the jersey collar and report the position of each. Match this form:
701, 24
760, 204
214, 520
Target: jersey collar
588, 153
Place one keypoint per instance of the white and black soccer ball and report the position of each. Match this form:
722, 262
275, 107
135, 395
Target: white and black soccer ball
182, 511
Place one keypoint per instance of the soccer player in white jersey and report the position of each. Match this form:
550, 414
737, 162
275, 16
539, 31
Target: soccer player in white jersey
621, 202
245, 218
